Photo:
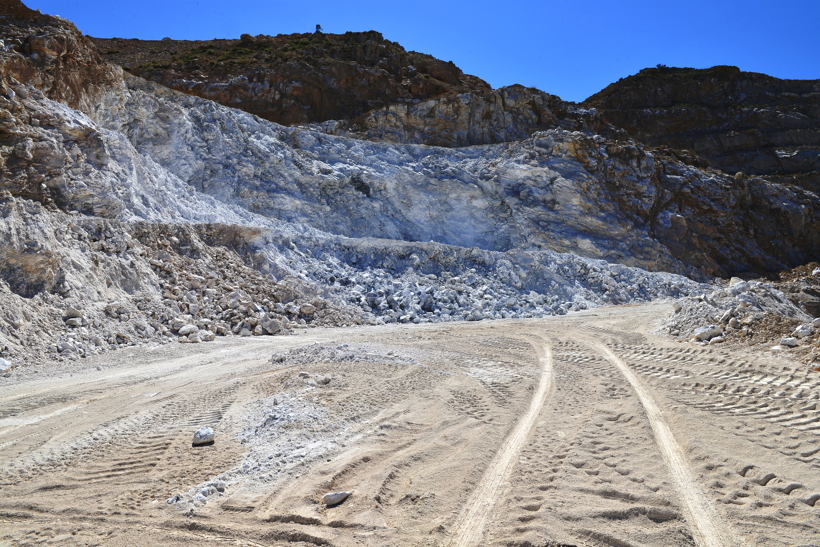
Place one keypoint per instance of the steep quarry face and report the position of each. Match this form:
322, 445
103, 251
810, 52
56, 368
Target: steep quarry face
142, 148
739, 121
293, 79
119, 198
561, 190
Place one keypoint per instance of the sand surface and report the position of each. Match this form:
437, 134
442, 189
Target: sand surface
576, 430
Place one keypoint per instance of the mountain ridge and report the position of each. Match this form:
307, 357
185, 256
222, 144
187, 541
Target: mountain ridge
738, 121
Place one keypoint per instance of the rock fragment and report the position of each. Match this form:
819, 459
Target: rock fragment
704, 334
335, 498
73, 313
187, 329
803, 331
789, 342
204, 436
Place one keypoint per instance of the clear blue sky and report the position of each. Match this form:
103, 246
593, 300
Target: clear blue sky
570, 48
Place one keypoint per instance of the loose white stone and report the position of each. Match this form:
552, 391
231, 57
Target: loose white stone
187, 329
334, 498
803, 331
203, 436
73, 313
789, 342
704, 334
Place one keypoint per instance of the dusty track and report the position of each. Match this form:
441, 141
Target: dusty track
579, 430
470, 529
708, 527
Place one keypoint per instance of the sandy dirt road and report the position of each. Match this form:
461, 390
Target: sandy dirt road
576, 430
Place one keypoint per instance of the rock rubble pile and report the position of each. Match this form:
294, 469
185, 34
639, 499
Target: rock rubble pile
438, 283
750, 312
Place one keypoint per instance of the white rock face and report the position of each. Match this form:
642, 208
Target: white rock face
531, 194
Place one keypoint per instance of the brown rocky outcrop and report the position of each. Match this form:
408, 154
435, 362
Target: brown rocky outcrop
738, 121
507, 114
50, 54
297, 78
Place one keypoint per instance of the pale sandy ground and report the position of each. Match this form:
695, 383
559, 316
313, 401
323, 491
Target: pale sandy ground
575, 430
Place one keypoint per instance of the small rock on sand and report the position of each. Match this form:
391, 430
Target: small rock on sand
334, 498
204, 436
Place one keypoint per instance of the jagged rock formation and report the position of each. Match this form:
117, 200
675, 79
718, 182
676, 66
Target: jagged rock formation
359, 83
739, 121
133, 202
297, 78
508, 114
558, 190
50, 54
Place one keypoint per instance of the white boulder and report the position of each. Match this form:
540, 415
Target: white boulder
204, 436
188, 329
334, 498
704, 334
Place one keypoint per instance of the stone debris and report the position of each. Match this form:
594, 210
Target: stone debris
789, 342
750, 313
331, 354
729, 309
203, 436
187, 329
803, 331
5, 366
335, 498
704, 334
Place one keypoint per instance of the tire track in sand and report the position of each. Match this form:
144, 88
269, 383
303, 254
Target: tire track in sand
469, 528
707, 527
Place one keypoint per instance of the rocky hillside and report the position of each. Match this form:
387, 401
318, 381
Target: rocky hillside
739, 121
361, 84
131, 212
296, 78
